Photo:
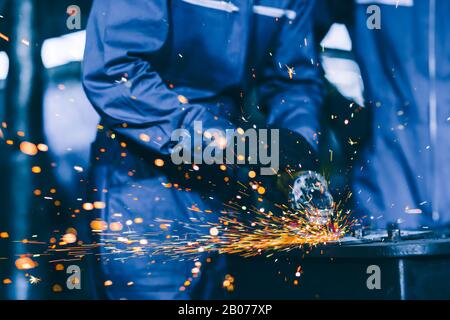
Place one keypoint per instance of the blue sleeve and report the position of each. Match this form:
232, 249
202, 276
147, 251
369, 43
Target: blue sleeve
121, 82
294, 98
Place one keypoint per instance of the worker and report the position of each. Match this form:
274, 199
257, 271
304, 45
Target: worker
401, 46
153, 67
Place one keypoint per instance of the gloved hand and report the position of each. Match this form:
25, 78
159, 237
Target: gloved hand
310, 195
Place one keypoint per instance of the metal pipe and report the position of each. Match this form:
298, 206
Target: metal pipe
23, 112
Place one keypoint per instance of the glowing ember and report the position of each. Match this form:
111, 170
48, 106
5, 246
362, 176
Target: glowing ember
159, 163
36, 170
99, 205
99, 225
115, 226
228, 283
25, 263
108, 283
69, 238
183, 99
34, 280
88, 206
144, 137
42, 147
261, 190
28, 148
57, 288
214, 232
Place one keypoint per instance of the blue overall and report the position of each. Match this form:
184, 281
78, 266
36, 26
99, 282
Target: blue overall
404, 173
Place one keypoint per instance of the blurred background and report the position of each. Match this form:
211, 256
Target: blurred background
42, 102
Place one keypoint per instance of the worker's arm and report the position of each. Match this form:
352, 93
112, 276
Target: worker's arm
122, 83
292, 87
293, 92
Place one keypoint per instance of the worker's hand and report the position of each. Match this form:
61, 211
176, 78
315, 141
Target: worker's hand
310, 195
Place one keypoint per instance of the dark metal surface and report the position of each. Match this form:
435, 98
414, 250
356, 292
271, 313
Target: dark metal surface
401, 249
408, 269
